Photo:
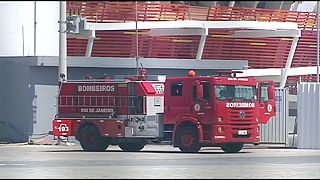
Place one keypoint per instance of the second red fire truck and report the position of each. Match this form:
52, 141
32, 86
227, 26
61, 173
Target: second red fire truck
189, 112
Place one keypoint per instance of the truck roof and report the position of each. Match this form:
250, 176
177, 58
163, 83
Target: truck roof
218, 79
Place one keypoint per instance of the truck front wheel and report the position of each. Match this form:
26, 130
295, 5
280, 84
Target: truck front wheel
188, 139
133, 146
90, 139
231, 147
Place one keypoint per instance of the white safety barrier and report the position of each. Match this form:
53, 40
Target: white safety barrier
275, 131
308, 116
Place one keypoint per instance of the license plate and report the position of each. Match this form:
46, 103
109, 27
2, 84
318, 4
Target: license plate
242, 132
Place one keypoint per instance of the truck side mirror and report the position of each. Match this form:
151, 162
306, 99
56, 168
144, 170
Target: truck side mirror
271, 92
200, 91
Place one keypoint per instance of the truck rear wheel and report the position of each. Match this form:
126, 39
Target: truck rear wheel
133, 146
90, 139
232, 147
188, 139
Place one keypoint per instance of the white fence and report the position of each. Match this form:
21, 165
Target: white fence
308, 116
276, 131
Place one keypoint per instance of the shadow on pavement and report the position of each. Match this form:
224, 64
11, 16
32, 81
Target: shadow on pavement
206, 151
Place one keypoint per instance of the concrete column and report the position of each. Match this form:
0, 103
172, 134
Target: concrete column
63, 40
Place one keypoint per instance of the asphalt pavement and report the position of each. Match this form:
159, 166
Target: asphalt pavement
156, 162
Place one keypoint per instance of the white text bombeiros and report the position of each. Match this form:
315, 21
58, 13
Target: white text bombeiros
85, 88
240, 105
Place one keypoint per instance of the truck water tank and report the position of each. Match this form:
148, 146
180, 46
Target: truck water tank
17, 28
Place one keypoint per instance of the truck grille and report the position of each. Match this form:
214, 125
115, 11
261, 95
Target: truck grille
242, 116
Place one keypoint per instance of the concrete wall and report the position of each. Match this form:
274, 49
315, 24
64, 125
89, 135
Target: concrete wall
17, 28
16, 94
29, 86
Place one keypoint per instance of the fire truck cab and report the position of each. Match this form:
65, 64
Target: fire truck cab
216, 111
190, 112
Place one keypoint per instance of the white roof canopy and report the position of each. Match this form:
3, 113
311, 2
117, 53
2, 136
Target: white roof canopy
193, 24
243, 29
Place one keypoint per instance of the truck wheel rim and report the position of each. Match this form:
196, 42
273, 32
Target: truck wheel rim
89, 137
187, 140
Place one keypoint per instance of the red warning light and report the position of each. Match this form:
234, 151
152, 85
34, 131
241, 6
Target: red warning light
192, 73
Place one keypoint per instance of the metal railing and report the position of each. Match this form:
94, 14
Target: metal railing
97, 101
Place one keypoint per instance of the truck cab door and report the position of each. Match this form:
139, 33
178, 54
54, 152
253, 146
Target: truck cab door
201, 100
266, 98
174, 100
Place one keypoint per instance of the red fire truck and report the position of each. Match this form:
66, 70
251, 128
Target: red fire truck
189, 112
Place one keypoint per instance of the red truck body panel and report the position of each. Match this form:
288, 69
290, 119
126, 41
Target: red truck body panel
100, 98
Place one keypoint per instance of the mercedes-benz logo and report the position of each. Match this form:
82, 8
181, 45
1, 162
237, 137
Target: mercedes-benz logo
242, 114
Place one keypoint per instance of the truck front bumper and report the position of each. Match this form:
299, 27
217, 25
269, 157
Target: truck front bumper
239, 134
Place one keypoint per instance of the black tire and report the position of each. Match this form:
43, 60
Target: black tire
90, 139
232, 147
188, 139
133, 146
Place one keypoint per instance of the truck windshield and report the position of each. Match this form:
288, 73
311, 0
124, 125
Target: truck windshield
236, 92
